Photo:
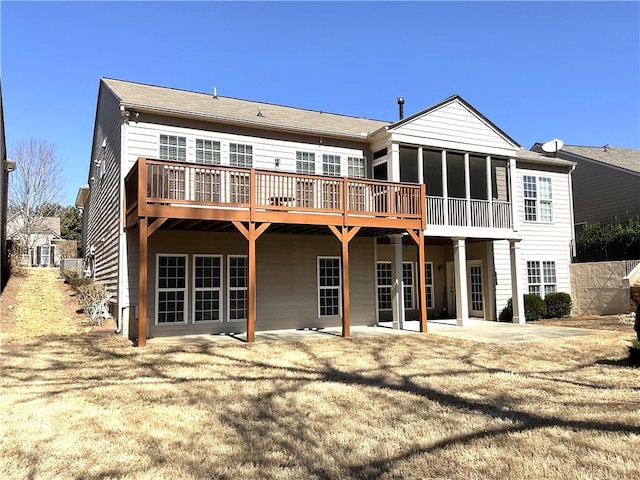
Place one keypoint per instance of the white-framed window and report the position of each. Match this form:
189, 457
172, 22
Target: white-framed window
240, 155
306, 163
541, 277
549, 276
537, 199
237, 274
428, 281
207, 152
171, 289
407, 284
173, 147
329, 287
331, 165
45, 255
355, 167
207, 288
384, 280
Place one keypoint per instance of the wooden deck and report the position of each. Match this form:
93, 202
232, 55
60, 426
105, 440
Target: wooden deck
162, 189
159, 192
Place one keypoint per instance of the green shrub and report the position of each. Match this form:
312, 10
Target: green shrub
506, 315
558, 304
534, 309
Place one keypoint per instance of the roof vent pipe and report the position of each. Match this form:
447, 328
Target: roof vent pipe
401, 107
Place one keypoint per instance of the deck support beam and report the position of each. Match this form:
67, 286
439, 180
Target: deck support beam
418, 238
142, 281
345, 235
251, 232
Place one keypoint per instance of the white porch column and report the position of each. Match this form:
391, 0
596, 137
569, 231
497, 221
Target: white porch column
397, 288
420, 167
512, 194
467, 189
445, 188
489, 190
393, 170
517, 296
462, 294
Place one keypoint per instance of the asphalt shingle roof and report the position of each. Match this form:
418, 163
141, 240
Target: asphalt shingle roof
245, 112
626, 158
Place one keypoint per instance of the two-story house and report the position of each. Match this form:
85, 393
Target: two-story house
209, 214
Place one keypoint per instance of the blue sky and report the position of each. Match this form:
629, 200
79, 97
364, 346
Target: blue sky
538, 70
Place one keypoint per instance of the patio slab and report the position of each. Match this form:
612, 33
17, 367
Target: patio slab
476, 330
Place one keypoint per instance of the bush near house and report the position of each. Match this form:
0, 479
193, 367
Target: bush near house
92, 296
558, 304
598, 242
535, 308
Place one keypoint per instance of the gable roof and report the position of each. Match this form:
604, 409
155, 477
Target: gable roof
626, 158
467, 105
245, 112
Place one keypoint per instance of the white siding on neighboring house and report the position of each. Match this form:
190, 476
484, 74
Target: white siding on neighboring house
453, 126
143, 141
104, 204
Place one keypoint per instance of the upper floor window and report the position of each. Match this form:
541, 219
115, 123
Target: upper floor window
306, 162
240, 155
207, 151
355, 167
537, 199
331, 165
173, 147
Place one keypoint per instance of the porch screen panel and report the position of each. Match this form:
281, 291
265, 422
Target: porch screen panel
171, 288
455, 175
207, 279
329, 286
237, 281
432, 172
478, 177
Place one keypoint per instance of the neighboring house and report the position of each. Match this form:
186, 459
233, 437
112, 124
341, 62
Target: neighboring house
208, 214
39, 246
6, 166
606, 183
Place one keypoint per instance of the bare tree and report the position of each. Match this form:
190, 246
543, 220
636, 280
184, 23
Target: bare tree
36, 182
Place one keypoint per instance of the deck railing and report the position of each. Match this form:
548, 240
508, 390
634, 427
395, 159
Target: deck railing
187, 184
461, 212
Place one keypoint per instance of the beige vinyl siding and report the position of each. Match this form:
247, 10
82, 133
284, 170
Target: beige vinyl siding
103, 213
143, 141
287, 292
603, 194
453, 126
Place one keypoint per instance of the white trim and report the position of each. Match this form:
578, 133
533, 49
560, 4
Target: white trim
378, 286
339, 286
195, 289
230, 288
184, 290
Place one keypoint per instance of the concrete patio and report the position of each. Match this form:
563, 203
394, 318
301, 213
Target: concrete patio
476, 330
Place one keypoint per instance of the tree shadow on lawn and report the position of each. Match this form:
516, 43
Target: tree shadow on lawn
275, 431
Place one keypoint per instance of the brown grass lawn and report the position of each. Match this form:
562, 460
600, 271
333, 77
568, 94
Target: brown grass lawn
420, 406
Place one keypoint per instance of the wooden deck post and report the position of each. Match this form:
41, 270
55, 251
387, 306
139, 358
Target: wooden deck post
345, 236
251, 233
142, 282
418, 238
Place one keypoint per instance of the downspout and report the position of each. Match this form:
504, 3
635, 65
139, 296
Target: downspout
573, 227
